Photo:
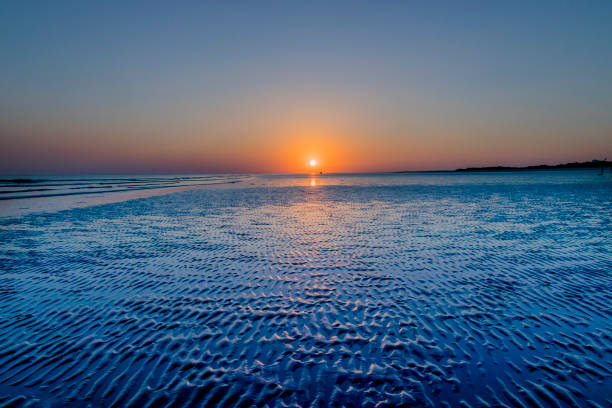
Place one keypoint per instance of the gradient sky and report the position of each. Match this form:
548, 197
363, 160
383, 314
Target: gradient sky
124, 87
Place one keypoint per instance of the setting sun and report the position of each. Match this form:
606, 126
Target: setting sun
313, 162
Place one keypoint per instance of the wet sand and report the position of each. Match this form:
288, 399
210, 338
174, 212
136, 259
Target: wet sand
483, 290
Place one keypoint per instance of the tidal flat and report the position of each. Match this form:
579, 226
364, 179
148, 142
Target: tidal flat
421, 289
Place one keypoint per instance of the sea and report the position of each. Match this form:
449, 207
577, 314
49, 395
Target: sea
485, 289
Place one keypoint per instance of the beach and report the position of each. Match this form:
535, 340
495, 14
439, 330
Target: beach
418, 289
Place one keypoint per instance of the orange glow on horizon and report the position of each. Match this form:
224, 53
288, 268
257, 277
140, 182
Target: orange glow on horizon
264, 142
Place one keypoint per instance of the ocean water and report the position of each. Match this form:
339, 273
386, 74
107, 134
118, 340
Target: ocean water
461, 290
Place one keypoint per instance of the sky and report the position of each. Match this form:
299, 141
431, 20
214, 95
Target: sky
158, 87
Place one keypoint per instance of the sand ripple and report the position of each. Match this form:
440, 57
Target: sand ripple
461, 295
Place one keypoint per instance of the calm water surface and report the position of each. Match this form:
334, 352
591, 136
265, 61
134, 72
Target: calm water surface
439, 289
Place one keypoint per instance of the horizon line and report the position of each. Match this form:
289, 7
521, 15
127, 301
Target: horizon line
595, 163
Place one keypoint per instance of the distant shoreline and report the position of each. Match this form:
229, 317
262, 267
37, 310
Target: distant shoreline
595, 164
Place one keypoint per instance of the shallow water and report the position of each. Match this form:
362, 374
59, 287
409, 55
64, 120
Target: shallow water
26, 195
488, 289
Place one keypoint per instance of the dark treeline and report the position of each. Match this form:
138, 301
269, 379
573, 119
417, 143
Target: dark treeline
595, 164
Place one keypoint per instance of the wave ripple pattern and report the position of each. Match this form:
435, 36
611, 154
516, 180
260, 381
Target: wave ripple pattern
464, 295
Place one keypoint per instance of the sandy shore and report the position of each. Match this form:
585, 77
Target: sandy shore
358, 292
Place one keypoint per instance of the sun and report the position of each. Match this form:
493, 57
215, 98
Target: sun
313, 162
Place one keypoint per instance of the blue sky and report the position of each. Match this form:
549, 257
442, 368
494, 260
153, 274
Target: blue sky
237, 87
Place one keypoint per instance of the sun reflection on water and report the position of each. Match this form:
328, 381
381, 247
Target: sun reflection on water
313, 182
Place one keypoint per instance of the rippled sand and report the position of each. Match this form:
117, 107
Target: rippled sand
483, 290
